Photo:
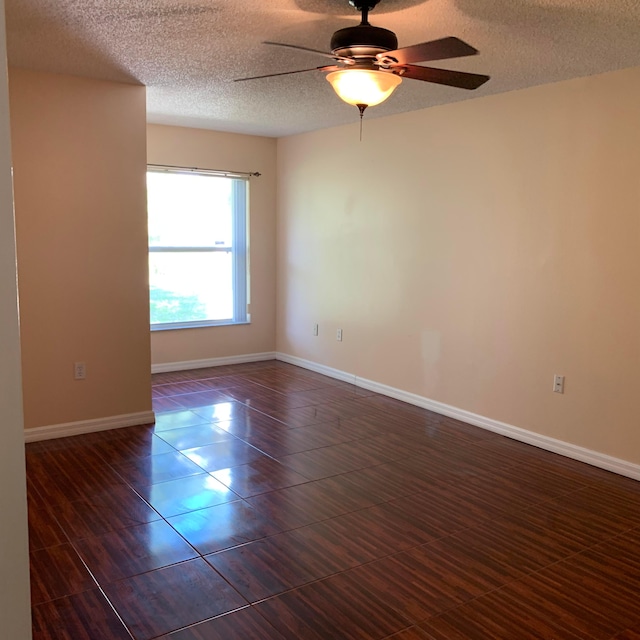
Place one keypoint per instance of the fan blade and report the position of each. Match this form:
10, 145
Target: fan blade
330, 67
459, 79
442, 49
308, 49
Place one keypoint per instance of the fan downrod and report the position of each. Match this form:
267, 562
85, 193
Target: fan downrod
364, 6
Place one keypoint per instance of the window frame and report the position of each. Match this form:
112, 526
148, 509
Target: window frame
239, 250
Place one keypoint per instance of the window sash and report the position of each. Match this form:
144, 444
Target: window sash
240, 255
238, 251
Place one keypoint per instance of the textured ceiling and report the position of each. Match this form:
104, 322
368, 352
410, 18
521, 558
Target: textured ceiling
187, 52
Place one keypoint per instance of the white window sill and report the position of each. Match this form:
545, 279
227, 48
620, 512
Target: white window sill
172, 326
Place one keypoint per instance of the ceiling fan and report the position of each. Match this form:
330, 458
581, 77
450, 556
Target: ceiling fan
368, 66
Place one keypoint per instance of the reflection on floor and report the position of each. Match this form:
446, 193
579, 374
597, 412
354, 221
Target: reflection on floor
270, 502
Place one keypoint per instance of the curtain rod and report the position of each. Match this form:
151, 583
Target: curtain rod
213, 172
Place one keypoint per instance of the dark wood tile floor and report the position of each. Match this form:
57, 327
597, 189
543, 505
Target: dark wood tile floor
269, 502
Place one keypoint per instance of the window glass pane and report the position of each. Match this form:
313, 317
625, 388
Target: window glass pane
189, 210
188, 287
197, 248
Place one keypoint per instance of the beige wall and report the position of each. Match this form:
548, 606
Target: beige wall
227, 151
15, 615
79, 175
472, 251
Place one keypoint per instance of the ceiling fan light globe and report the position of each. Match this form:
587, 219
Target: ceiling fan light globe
363, 86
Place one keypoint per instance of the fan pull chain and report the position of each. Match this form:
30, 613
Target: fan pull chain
361, 108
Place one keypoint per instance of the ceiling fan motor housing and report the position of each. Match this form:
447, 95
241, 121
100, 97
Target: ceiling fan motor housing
363, 40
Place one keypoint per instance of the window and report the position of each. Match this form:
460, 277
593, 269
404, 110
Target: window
197, 248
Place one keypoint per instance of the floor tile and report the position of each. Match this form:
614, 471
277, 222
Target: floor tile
425, 581
83, 616
200, 399
273, 404
244, 624
160, 468
513, 543
211, 377
197, 436
164, 404
329, 461
253, 425
284, 441
521, 452
176, 419
223, 455
44, 530
411, 633
324, 394
587, 516
332, 608
549, 484
133, 444
111, 508
590, 606
451, 465
392, 447
225, 411
80, 446
57, 572
249, 393
629, 634
615, 561
631, 536
128, 552
332, 496
220, 382
367, 422
281, 562
369, 533
168, 599
186, 494
497, 617
261, 476
285, 383
273, 565
178, 388
304, 504
61, 476
444, 507
223, 526
383, 482
619, 504
502, 493
303, 416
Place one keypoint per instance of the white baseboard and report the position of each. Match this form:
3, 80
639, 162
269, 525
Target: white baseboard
318, 368
212, 362
88, 426
594, 458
